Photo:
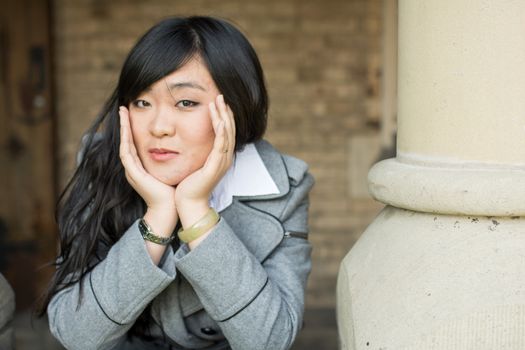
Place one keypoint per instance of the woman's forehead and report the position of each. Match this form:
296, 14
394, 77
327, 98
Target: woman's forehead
192, 75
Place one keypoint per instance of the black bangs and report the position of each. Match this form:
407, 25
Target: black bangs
162, 50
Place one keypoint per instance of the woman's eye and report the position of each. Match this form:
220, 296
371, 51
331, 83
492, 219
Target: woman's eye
141, 103
186, 104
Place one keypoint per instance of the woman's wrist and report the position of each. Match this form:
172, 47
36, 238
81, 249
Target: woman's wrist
192, 211
161, 221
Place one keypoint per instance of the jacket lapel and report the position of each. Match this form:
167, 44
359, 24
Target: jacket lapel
277, 169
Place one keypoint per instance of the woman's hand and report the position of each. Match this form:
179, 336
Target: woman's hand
159, 197
192, 193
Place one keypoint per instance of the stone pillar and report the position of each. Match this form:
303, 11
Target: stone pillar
443, 265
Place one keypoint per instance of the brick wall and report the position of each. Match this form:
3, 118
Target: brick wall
322, 63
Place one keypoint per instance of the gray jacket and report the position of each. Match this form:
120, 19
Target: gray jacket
242, 287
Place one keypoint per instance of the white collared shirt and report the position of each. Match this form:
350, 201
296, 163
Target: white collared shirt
247, 176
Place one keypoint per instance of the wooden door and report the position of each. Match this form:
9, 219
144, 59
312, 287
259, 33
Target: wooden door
27, 162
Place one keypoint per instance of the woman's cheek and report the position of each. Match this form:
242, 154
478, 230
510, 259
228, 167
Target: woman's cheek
201, 131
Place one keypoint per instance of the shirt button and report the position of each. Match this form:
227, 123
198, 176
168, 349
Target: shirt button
208, 331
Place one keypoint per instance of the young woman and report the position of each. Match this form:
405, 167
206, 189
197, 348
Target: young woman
181, 228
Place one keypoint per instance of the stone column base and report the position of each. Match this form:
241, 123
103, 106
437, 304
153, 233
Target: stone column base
428, 281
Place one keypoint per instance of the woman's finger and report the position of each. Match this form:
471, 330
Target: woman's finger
231, 129
227, 116
128, 152
220, 143
125, 113
214, 165
214, 115
232, 121
124, 141
221, 107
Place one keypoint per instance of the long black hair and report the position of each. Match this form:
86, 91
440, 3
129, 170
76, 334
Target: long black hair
98, 204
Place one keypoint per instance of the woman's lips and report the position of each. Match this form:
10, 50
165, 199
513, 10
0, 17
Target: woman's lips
162, 154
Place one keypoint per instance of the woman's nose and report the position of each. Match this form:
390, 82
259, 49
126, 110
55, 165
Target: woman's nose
163, 123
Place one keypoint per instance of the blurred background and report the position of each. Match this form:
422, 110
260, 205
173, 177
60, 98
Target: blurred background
330, 69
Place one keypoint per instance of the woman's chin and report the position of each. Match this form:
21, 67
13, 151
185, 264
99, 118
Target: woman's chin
168, 180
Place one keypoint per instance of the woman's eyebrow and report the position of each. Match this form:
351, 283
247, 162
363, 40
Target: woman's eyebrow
186, 84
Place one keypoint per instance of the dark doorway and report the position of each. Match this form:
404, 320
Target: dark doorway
27, 165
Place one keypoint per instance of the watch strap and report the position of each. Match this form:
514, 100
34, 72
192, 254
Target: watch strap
148, 235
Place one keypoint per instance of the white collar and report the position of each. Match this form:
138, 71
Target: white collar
247, 176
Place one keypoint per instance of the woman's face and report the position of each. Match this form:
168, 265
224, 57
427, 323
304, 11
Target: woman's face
171, 124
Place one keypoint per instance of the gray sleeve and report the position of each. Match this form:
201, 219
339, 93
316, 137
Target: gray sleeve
257, 305
7, 310
113, 294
